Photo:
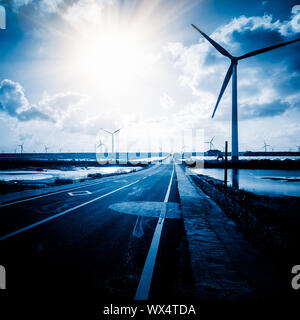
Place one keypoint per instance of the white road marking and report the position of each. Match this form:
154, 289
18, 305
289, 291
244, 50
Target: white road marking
143, 289
31, 226
49, 194
79, 193
56, 192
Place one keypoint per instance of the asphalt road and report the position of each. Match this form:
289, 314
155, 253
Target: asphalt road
92, 241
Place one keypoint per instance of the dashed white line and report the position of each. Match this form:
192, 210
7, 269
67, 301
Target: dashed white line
79, 193
143, 289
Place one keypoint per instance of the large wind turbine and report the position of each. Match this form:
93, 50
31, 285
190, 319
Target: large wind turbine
232, 71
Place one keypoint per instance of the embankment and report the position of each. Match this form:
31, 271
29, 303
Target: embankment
272, 224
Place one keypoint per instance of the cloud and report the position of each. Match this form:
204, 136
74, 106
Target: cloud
274, 108
78, 9
59, 105
54, 108
20, 3
67, 111
14, 103
166, 101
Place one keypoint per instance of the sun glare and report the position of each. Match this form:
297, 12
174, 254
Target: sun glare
112, 55
112, 59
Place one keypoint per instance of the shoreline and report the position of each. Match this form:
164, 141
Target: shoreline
286, 164
270, 223
13, 186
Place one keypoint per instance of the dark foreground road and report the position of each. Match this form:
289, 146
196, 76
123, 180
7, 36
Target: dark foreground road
100, 239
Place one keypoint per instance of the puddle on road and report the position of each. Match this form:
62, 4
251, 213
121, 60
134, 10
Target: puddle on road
143, 209
148, 208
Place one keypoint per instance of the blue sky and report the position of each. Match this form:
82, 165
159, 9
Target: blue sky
69, 68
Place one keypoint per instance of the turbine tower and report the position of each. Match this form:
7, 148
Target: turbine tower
232, 71
46, 149
112, 137
210, 142
21, 147
266, 146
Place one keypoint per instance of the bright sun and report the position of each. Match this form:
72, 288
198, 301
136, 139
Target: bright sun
113, 57
111, 47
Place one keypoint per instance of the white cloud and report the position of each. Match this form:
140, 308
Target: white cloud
12, 97
166, 101
14, 103
57, 106
49, 5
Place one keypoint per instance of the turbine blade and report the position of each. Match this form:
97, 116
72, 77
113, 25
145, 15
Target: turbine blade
215, 44
259, 51
106, 131
224, 85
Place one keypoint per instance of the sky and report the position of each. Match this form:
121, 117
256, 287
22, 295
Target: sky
69, 68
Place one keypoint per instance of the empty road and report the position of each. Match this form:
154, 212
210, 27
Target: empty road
98, 237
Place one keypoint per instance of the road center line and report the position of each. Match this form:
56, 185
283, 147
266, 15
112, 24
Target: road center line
143, 289
31, 226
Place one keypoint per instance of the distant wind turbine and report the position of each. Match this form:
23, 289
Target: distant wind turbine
112, 137
46, 149
232, 71
266, 146
100, 145
21, 147
210, 142
298, 147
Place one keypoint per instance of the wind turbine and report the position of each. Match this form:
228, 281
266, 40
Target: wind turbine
21, 147
100, 145
298, 148
210, 142
112, 137
232, 71
266, 146
46, 149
